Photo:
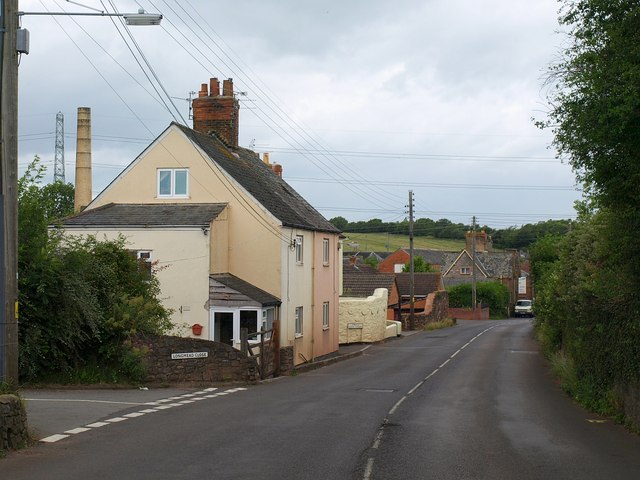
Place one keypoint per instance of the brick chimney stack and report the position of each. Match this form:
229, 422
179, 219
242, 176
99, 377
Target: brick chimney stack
83, 192
215, 113
484, 242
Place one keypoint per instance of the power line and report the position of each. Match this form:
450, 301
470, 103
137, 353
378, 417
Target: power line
441, 185
275, 109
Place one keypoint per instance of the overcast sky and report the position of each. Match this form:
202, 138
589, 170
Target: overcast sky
359, 100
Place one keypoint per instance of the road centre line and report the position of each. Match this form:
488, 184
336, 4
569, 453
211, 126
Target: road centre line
379, 435
393, 409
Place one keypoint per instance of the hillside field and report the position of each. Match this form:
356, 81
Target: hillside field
382, 242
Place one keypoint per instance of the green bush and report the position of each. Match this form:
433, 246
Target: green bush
490, 294
80, 299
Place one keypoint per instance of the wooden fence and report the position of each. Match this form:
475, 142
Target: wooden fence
264, 347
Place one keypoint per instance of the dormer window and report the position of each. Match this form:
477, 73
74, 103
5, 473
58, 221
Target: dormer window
173, 182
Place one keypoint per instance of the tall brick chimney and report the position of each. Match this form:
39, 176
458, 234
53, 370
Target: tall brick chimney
215, 113
484, 242
83, 192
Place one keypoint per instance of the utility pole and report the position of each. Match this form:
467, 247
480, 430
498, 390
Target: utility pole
412, 322
58, 163
474, 299
8, 191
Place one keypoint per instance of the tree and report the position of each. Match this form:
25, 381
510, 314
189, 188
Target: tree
419, 265
80, 299
587, 300
340, 223
595, 100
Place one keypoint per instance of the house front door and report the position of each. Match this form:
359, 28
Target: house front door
223, 327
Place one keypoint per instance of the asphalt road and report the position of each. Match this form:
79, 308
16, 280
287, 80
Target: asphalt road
471, 402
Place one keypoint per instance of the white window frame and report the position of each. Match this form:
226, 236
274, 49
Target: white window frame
299, 322
299, 245
465, 270
172, 194
236, 322
325, 315
325, 251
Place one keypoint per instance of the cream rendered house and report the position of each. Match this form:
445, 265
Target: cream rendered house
232, 244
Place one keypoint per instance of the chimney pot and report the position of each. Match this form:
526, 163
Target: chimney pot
227, 88
265, 158
214, 87
277, 169
203, 90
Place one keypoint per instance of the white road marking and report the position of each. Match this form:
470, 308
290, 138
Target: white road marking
75, 431
158, 405
393, 409
115, 419
97, 424
369, 469
53, 438
378, 438
80, 401
135, 414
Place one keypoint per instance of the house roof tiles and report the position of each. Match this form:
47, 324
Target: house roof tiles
147, 215
424, 283
362, 281
246, 168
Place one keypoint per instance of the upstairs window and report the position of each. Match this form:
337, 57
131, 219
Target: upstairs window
325, 251
465, 270
173, 182
299, 248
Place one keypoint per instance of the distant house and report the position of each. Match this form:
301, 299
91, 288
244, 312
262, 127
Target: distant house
361, 281
424, 285
502, 266
232, 244
394, 262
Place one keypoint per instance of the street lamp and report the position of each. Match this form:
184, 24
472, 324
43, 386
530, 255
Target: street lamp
14, 40
141, 18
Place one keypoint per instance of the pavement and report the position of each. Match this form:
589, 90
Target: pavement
56, 413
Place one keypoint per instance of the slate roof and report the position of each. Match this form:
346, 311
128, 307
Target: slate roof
246, 168
362, 280
433, 257
424, 283
245, 288
494, 264
146, 215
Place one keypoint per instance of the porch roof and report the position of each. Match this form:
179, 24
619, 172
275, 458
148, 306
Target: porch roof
237, 288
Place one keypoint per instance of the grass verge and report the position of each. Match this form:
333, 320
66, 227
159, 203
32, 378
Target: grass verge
449, 322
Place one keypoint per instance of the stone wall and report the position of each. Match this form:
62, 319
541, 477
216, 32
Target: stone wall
198, 362
286, 360
13, 423
436, 310
363, 319
469, 314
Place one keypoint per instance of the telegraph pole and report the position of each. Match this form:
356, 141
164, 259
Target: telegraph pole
8, 191
412, 322
474, 299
